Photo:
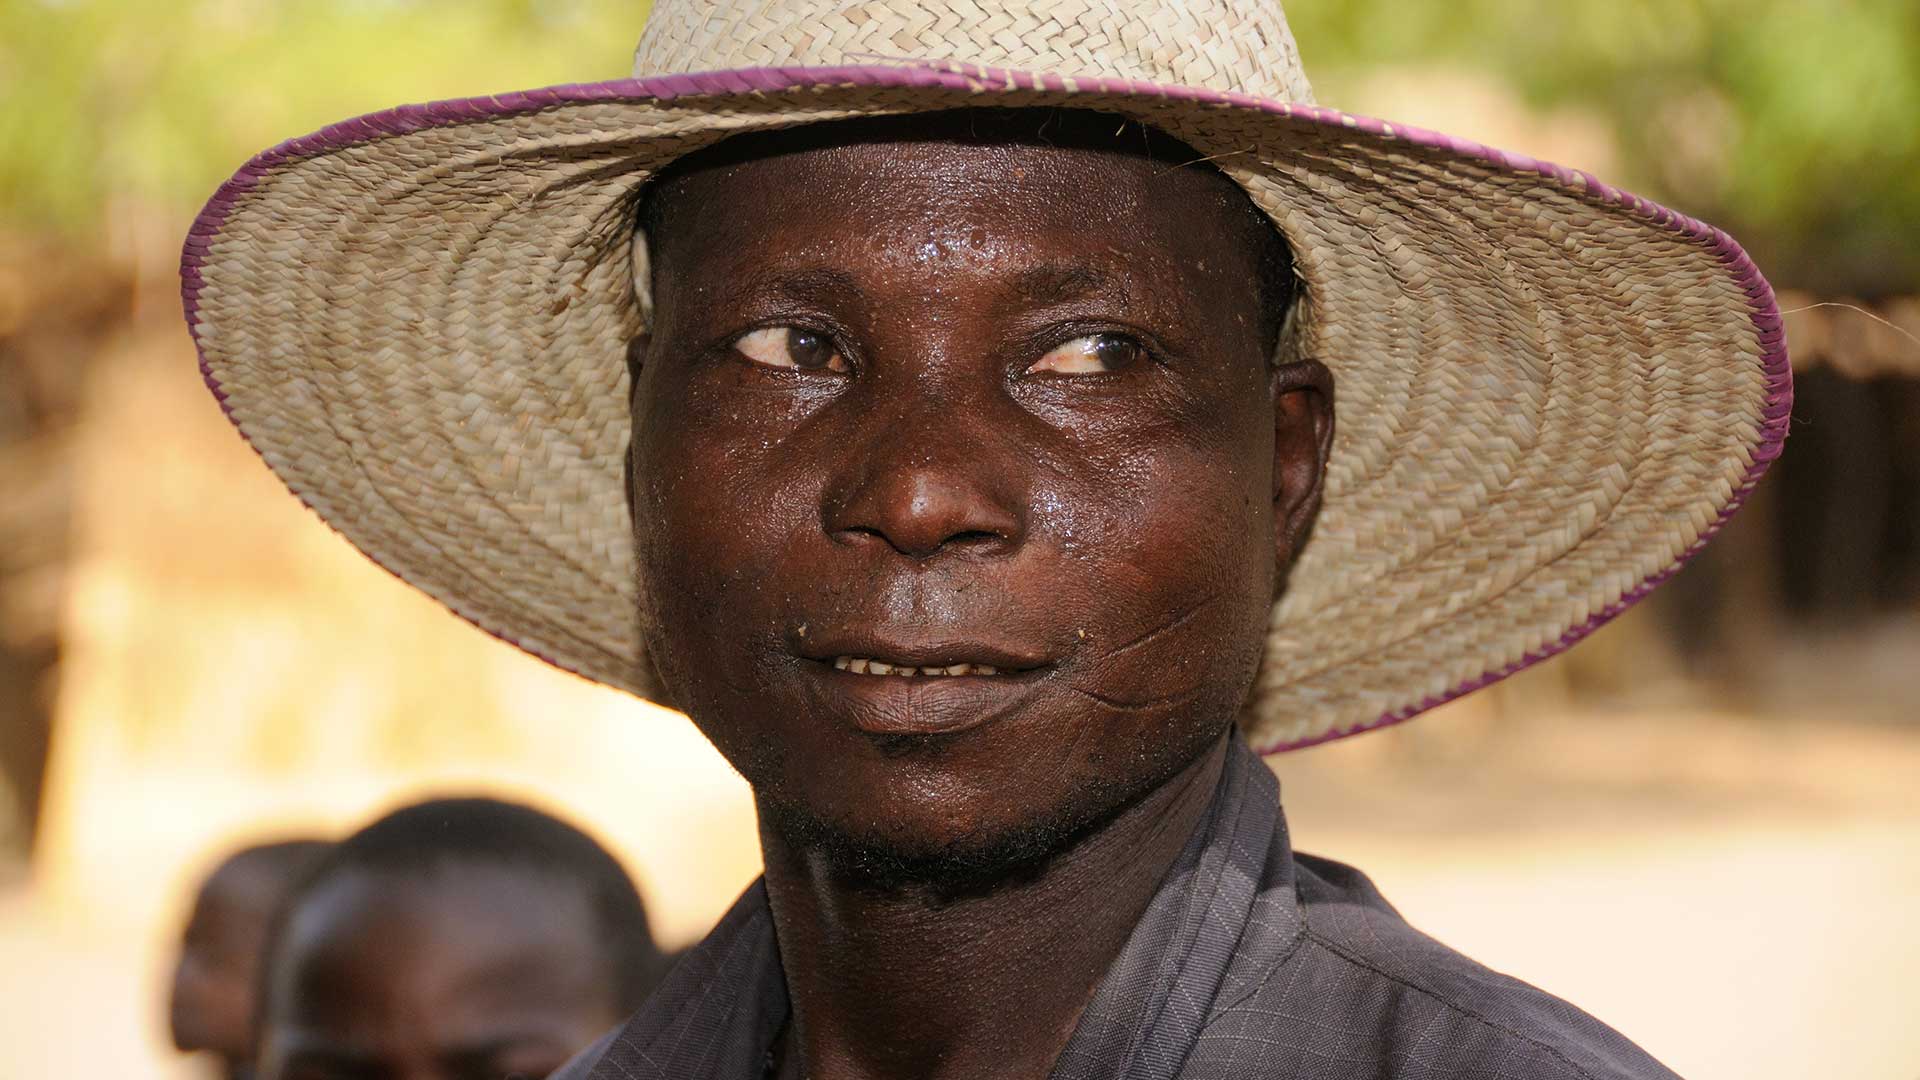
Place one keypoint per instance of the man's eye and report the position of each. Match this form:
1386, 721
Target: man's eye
1090, 354
791, 347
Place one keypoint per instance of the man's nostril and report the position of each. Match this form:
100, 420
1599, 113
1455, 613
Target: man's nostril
926, 509
921, 547
860, 533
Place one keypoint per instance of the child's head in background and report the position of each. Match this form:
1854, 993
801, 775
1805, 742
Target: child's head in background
452, 939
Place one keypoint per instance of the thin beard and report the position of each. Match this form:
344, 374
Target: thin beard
968, 868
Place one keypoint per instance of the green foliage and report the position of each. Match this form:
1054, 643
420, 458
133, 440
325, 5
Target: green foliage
1795, 123
1806, 112
154, 102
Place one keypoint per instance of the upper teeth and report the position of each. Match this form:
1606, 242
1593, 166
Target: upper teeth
861, 665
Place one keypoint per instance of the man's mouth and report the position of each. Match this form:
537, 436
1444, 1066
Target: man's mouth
869, 652
891, 684
862, 665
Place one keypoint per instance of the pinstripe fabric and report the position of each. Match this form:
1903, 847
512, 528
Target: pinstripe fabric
1250, 962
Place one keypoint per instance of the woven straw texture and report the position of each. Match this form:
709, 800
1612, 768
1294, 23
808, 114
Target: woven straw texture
1551, 392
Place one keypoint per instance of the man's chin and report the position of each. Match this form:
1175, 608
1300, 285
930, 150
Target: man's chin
942, 870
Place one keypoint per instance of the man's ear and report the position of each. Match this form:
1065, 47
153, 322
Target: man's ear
636, 360
1302, 441
637, 348
642, 270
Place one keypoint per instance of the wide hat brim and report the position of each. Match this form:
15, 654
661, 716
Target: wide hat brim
1551, 392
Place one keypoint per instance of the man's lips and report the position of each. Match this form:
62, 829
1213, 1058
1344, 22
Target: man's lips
894, 687
864, 665
873, 654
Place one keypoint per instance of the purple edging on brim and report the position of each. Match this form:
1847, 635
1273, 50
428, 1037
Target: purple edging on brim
982, 80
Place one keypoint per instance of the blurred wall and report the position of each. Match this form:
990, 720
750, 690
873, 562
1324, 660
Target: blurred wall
234, 670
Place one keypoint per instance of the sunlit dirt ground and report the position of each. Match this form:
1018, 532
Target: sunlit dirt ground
1735, 892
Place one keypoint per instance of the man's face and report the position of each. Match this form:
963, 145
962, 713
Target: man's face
1002, 410
470, 973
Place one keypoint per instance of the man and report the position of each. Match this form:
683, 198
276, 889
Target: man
210, 1007
983, 494
456, 939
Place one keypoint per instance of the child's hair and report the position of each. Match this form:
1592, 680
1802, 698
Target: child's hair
274, 872
417, 840
288, 861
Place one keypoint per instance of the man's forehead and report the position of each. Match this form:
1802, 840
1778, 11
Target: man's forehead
1031, 206
942, 164
988, 134
1045, 222
936, 167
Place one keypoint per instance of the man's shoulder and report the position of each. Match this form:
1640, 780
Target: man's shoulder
1364, 989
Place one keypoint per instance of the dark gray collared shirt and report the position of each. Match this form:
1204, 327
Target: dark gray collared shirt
1250, 962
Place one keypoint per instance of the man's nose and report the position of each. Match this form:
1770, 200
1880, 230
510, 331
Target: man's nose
941, 481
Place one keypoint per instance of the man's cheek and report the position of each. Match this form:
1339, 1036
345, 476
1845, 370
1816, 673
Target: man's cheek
1182, 511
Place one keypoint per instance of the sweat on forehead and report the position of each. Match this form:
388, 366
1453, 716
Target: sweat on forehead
1023, 143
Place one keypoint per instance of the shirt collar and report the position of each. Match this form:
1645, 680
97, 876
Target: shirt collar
1150, 1007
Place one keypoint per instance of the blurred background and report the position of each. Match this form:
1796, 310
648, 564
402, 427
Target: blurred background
1701, 825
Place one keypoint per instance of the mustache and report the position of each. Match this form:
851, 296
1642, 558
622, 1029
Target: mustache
928, 607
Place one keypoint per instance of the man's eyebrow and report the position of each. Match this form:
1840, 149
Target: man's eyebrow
1060, 282
804, 283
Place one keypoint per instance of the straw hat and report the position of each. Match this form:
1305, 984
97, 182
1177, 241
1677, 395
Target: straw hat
1551, 391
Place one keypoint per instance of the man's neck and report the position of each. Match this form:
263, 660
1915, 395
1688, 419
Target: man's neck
892, 986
